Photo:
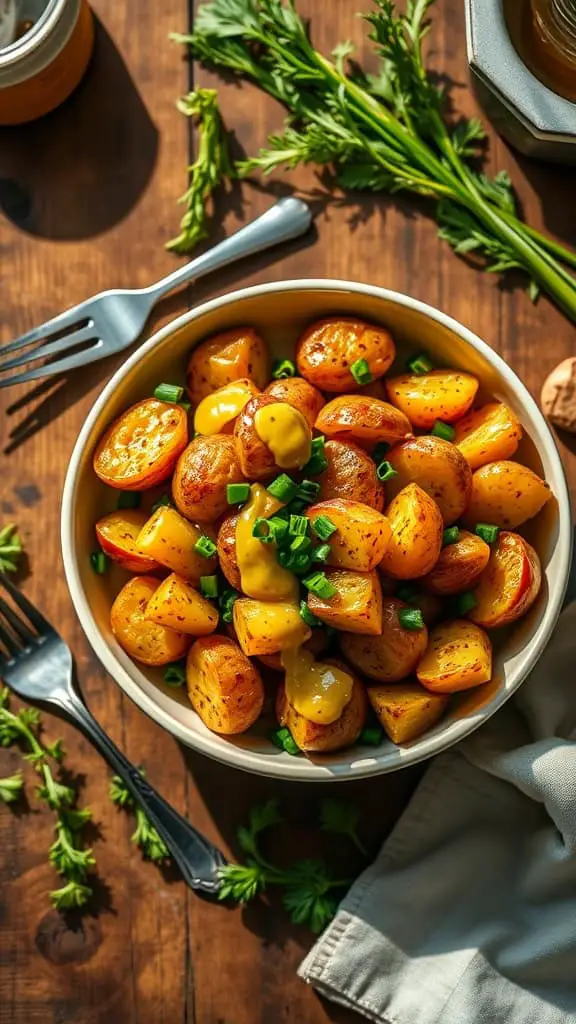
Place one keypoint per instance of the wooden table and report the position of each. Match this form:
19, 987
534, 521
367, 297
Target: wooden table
88, 197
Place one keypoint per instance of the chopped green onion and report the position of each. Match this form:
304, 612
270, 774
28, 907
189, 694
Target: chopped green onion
283, 368
320, 585
174, 675
298, 526
361, 371
168, 392
371, 736
323, 527
185, 405
410, 618
237, 494
307, 491
163, 502
129, 499
301, 562
380, 451
283, 739
465, 602
99, 562
322, 553
420, 363
309, 618
283, 488
487, 532
407, 592
450, 536
318, 461
385, 471
261, 530
443, 430
205, 546
285, 558
301, 543
270, 531
226, 602
209, 586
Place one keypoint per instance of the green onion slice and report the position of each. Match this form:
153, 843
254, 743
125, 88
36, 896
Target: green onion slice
163, 502
371, 736
321, 553
174, 675
420, 363
283, 368
443, 430
319, 584
309, 618
283, 488
361, 371
451, 535
465, 602
323, 527
168, 392
205, 546
385, 471
237, 494
209, 586
410, 618
487, 532
99, 562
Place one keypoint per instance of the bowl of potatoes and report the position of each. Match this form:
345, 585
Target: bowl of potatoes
317, 530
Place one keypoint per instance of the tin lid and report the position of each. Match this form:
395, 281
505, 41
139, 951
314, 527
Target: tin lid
54, 22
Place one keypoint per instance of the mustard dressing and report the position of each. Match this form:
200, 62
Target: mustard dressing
219, 408
286, 433
318, 691
261, 575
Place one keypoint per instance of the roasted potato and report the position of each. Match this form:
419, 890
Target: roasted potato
328, 348
225, 357
313, 737
255, 457
141, 447
438, 468
218, 412
438, 395
265, 627
363, 420
505, 494
361, 537
351, 474
317, 645
510, 583
146, 642
376, 389
169, 538
298, 393
459, 565
357, 605
458, 656
226, 544
488, 434
406, 710
394, 654
224, 687
417, 530
117, 535
202, 474
176, 604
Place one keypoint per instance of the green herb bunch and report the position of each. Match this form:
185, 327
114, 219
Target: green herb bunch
145, 837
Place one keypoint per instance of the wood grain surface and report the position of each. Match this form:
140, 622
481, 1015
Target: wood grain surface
87, 199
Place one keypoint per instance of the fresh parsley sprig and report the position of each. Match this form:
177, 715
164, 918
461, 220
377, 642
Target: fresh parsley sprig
145, 837
11, 788
10, 548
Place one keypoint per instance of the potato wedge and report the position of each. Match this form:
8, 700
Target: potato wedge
510, 583
328, 348
363, 420
506, 494
361, 537
357, 605
416, 539
202, 474
406, 710
351, 474
178, 605
224, 687
317, 645
265, 627
146, 642
394, 654
298, 393
438, 395
315, 738
141, 447
169, 538
459, 565
117, 535
488, 434
438, 468
218, 412
458, 656
225, 357
226, 545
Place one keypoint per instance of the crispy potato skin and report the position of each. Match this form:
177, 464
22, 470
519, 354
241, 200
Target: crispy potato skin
317, 645
362, 533
416, 539
356, 608
510, 583
394, 654
406, 710
438, 468
328, 348
263, 627
224, 358
202, 473
170, 538
488, 434
363, 420
226, 545
506, 494
459, 655
141, 447
179, 606
351, 474
117, 535
224, 687
144, 641
313, 737
254, 457
298, 393
459, 565
438, 395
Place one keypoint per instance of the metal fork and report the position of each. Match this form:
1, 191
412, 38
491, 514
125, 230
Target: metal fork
111, 321
38, 666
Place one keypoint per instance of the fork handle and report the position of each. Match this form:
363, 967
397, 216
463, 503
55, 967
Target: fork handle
197, 858
287, 219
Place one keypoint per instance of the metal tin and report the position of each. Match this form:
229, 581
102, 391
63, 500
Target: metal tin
41, 69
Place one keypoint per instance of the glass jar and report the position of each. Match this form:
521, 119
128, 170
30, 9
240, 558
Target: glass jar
553, 49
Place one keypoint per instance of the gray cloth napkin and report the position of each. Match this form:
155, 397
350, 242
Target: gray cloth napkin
468, 915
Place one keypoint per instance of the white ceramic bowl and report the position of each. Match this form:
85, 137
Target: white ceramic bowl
279, 311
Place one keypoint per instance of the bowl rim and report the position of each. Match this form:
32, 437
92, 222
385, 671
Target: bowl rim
281, 766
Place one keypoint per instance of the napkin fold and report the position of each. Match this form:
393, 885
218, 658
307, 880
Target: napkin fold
468, 915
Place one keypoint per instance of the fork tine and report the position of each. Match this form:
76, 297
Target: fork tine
9, 642
31, 613
68, 341
58, 323
24, 634
89, 355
